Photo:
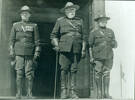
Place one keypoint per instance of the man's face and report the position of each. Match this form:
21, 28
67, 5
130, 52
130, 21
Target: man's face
102, 23
70, 12
25, 16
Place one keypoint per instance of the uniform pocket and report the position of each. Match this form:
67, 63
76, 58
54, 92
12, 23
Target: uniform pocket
29, 45
29, 34
29, 28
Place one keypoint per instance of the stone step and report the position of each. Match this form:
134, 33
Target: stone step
50, 98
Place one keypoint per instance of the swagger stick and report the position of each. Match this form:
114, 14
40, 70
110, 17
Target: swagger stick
55, 84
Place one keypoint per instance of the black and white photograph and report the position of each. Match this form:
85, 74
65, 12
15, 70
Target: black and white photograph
67, 49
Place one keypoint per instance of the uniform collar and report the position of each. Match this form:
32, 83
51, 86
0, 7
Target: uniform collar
102, 28
70, 18
25, 22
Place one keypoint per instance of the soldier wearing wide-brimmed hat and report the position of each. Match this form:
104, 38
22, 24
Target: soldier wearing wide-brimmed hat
24, 47
101, 42
25, 8
70, 5
102, 17
71, 45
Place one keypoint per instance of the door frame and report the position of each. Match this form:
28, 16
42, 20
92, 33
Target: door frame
8, 16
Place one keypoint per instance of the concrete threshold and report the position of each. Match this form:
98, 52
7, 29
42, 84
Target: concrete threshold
47, 98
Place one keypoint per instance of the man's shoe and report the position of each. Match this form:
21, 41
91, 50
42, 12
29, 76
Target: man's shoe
18, 96
63, 94
29, 96
73, 95
107, 96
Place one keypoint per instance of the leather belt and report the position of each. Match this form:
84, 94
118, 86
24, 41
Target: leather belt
74, 34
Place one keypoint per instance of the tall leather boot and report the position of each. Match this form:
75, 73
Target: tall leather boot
106, 87
29, 88
63, 84
19, 88
99, 86
73, 93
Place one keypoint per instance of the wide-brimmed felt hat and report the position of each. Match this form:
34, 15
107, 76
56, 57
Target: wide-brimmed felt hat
102, 17
25, 8
70, 5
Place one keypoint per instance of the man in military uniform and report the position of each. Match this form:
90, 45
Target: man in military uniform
101, 42
24, 47
68, 37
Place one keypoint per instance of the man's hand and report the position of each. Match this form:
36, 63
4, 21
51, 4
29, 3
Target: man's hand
114, 44
56, 48
13, 62
91, 56
83, 49
91, 60
12, 53
83, 53
36, 55
55, 44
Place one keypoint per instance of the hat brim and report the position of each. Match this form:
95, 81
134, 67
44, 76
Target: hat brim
25, 11
105, 18
77, 7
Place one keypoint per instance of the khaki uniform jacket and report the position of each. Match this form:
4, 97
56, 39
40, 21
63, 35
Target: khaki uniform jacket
24, 37
70, 34
102, 40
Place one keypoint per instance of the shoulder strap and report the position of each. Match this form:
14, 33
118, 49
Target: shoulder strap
71, 24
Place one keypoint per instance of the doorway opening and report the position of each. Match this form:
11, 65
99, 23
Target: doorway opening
45, 72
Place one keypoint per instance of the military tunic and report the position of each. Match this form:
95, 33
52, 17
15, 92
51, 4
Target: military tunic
70, 33
102, 41
24, 37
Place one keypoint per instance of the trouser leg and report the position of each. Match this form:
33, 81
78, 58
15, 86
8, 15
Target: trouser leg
106, 72
19, 78
98, 80
29, 73
64, 84
29, 87
106, 82
19, 75
73, 92
29, 81
19, 88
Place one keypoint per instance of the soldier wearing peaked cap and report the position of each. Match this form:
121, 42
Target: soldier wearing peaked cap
25, 48
69, 38
101, 42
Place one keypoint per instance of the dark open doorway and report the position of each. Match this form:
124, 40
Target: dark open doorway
45, 72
